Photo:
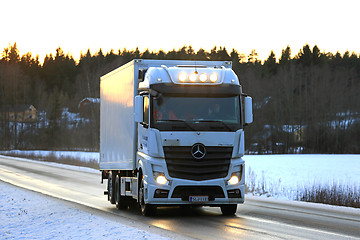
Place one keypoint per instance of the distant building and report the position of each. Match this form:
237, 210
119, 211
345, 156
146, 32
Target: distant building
87, 105
18, 113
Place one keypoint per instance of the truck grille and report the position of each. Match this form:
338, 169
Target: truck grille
181, 163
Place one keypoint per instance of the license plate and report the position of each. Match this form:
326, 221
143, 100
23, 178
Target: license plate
198, 199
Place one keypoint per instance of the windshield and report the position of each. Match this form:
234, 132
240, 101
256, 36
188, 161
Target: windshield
171, 113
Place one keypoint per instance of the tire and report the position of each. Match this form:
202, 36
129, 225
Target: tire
120, 201
146, 209
111, 188
228, 209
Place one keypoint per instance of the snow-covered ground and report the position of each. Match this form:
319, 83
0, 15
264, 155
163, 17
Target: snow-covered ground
28, 215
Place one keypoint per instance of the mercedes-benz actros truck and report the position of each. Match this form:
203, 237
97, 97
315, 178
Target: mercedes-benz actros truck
172, 133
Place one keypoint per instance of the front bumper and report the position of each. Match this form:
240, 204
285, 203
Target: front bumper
179, 191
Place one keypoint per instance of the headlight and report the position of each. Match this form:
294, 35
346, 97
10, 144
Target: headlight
213, 77
160, 178
182, 77
203, 77
192, 77
235, 178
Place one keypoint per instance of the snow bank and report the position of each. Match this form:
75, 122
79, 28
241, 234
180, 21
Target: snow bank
27, 215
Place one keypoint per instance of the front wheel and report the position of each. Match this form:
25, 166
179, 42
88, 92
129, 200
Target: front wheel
228, 209
146, 209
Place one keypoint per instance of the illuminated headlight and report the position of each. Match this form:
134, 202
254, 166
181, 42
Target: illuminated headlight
213, 77
192, 77
160, 178
235, 178
182, 77
203, 77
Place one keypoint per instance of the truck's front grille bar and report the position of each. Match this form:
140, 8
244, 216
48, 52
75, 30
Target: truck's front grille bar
181, 163
184, 192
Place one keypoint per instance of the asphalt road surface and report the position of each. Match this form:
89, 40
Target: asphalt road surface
256, 219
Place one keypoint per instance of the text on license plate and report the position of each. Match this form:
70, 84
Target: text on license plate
199, 198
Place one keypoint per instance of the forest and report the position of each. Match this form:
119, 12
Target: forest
308, 103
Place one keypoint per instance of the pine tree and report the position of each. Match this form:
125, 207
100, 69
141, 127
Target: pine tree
253, 57
270, 63
305, 55
11, 54
285, 56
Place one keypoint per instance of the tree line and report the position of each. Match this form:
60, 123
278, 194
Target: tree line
307, 103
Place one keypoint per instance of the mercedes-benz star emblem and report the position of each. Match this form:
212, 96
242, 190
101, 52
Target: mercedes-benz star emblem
198, 151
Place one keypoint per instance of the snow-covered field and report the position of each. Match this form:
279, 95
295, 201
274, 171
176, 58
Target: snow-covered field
28, 215
83, 156
284, 176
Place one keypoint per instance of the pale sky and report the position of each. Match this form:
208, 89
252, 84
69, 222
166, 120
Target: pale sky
40, 26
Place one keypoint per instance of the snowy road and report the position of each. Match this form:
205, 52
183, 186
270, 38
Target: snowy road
256, 219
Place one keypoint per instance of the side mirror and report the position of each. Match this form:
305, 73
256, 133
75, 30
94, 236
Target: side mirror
139, 109
248, 110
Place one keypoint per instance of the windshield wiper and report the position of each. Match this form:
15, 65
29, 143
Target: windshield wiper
178, 120
217, 121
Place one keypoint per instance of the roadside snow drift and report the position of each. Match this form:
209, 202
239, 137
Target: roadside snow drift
28, 215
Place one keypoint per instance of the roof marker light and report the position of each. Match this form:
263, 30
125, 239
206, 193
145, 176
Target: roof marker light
213, 77
203, 77
182, 77
192, 77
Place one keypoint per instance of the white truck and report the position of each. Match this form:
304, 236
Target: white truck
172, 133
